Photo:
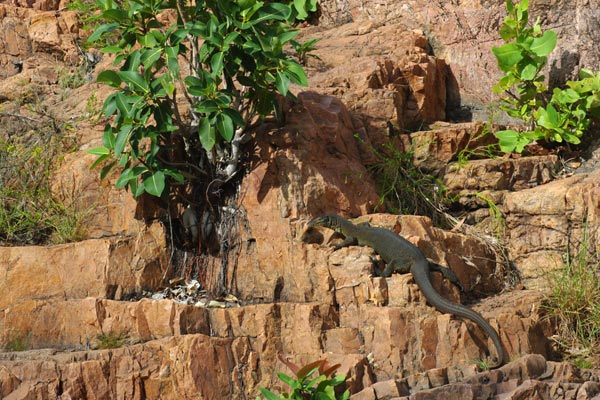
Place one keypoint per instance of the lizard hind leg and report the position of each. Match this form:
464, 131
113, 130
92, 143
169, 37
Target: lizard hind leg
448, 274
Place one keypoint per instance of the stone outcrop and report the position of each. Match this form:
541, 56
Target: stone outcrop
530, 377
545, 222
462, 33
373, 81
390, 85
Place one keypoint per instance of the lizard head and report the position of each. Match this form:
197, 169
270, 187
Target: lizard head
327, 221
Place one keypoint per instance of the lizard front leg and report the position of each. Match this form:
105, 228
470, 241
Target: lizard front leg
348, 241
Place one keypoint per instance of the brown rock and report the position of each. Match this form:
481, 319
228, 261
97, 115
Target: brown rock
543, 221
110, 268
310, 168
462, 34
44, 30
384, 81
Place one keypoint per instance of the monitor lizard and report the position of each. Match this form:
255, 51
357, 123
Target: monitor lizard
402, 256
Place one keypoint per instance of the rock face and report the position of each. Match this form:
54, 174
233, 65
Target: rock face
395, 67
462, 33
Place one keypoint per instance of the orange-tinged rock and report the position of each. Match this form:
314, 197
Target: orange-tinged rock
111, 267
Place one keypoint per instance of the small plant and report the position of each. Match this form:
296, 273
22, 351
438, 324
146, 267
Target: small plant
29, 212
487, 151
403, 188
303, 50
498, 224
16, 342
111, 340
562, 117
313, 381
574, 302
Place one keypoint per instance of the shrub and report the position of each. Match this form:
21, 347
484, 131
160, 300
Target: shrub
563, 116
312, 382
233, 51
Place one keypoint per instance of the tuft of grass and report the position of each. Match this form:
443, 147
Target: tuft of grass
479, 152
30, 148
574, 303
16, 342
111, 340
404, 188
498, 223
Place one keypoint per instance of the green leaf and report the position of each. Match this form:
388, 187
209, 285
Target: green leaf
216, 63
300, 6
544, 45
508, 140
108, 138
99, 151
109, 77
273, 11
282, 82
122, 138
269, 395
135, 80
507, 55
100, 160
106, 169
225, 126
101, 30
296, 73
206, 134
549, 118
155, 183
529, 72
150, 56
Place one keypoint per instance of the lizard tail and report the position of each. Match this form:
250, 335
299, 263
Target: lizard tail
420, 273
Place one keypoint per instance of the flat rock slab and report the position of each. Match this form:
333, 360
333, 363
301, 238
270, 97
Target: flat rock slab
110, 267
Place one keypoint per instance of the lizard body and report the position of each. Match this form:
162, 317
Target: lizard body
402, 256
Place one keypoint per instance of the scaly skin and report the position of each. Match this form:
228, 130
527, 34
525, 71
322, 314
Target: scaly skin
402, 256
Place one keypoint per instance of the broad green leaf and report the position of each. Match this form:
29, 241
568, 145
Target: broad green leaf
282, 83
507, 55
216, 63
225, 126
101, 30
272, 11
132, 62
300, 5
296, 73
110, 105
108, 138
235, 116
122, 104
100, 160
122, 138
106, 169
268, 394
176, 175
155, 183
542, 46
109, 77
206, 134
135, 80
549, 118
507, 140
99, 151
529, 72
150, 56
116, 14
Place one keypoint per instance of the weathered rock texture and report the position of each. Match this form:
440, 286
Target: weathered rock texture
462, 33
374, 79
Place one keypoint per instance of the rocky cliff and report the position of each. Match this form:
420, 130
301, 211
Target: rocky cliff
383, 69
